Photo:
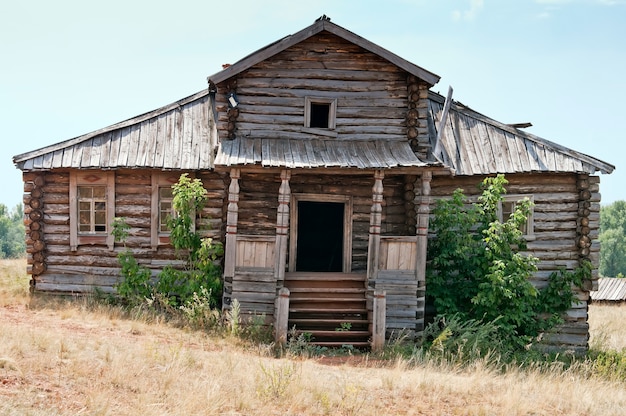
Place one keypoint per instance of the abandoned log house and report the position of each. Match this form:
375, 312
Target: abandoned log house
323, 155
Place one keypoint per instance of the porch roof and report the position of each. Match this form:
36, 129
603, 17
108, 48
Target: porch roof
317, 153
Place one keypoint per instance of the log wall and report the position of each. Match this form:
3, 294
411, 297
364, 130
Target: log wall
566, 223
56, 268
375, 99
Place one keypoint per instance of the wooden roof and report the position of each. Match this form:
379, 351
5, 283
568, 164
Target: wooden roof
172, 137
321, 24
610, 289
317, 153
473, 144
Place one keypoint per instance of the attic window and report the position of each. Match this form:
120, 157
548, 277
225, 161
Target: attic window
320, 112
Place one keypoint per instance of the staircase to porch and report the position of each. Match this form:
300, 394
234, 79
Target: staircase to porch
329, 306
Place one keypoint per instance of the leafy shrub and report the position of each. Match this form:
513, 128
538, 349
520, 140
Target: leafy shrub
175, 287
478, 274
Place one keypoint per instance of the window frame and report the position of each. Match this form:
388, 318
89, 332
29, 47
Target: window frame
529, 232
332, 111
91, 179
160, 180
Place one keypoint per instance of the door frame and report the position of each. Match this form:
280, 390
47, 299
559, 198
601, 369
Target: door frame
347, 226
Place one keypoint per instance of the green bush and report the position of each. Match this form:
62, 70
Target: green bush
174, 287
478, 273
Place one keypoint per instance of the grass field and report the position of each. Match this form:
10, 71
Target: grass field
77, 358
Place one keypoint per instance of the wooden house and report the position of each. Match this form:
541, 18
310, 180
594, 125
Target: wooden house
323, 154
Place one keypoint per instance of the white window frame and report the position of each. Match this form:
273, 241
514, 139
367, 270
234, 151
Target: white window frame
529, 233
91, 178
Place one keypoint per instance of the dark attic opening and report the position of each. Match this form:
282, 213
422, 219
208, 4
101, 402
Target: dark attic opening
320, 115
320, 236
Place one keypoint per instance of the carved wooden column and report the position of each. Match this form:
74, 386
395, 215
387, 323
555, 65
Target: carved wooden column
282, 226
230, 251
375, 222
423, 212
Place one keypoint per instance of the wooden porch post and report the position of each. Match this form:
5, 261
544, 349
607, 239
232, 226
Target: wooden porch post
282, 226
379, 315
282, 316
230, 251
373, 249
423, 212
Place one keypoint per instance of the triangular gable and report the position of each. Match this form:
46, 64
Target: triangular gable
320, 25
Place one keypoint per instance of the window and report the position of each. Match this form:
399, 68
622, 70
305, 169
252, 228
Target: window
165, 207
92, 208
319, 113
161, 207
507, 207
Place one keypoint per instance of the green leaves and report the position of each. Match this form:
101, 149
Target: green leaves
201, 272
12, 242
477, 272
613, 239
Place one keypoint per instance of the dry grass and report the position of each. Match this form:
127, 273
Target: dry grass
608, 323
70, 359
13, 281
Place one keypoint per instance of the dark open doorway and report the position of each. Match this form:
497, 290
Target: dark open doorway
320, 236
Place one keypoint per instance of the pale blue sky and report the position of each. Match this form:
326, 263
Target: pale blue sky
71, 67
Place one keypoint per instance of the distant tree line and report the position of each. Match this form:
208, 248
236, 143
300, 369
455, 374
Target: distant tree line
613, 239
12, 240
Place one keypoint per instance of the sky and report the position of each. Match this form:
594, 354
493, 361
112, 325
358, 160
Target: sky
71, 67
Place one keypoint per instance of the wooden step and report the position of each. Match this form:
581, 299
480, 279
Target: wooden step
334, 323
302, 299
312, 276
338, 334
322, 290
328, 311
333, 344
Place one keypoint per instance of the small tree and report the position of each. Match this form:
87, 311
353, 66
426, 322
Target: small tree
201, 269
201, 273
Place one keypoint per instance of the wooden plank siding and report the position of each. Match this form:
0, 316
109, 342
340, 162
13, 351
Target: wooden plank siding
473, 144
177, 136
92, 266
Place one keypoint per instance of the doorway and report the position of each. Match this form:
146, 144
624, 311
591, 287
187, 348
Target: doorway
320, 237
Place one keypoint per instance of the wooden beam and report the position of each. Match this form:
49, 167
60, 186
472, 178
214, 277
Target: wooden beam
373, 251
230, 251
282, 225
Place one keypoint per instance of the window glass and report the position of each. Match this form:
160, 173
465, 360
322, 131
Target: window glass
92, 208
